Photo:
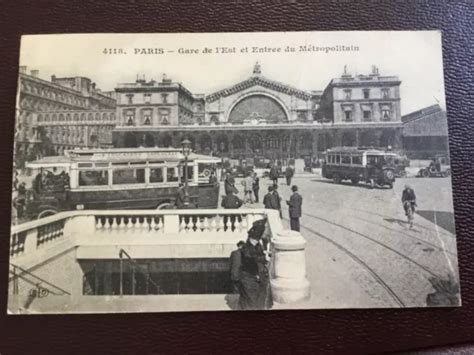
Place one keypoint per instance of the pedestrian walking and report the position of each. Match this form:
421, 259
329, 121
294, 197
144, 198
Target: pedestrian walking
274, 173
256, 186
294, 208
248, 187
289, 172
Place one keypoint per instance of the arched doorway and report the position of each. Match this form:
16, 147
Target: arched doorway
130, 141
258, 107
255, 143
223, 144
166, 141
148, 140
205, 142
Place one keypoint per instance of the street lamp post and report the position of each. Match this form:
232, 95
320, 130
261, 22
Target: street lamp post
186, 145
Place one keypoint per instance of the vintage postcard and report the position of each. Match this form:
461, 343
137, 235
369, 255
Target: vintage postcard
231, 171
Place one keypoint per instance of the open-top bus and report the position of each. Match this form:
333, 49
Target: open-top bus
373, 166
128, 178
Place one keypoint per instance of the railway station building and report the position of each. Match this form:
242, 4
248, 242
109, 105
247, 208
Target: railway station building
262, 117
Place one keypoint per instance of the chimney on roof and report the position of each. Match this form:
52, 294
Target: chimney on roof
35, 73
23, 69
53, 78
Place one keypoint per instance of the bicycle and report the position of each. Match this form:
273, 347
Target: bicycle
409, 206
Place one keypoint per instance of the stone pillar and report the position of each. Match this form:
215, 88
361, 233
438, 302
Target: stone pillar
289, 283
314, 146
357, 137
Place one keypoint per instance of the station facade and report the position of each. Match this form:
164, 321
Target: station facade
261, 117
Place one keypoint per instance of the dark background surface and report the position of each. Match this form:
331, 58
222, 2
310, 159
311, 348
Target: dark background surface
279, 331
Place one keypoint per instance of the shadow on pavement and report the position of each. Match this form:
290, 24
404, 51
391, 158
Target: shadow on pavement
396, 220
444, 220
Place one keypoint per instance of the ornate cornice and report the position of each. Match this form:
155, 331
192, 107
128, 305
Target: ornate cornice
262, 81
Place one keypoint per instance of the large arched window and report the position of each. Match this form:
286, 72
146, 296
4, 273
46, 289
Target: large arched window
260, 107
272, 142
238, 142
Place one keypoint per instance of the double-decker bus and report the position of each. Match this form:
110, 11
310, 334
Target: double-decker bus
129, 178
373, 166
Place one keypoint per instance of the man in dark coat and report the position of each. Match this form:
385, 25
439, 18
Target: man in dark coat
256, 186
231, 201
276, 202
268, 198
408, 195
294, 208
255, 292
235, 264
229, 184
274, 174
289, 174
213, 178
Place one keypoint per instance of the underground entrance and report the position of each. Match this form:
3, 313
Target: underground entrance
156, 277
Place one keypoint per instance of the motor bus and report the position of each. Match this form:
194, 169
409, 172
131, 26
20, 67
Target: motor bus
356, 164
129, 178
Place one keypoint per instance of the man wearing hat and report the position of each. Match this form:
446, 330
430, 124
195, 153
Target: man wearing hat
254, 278
294, 208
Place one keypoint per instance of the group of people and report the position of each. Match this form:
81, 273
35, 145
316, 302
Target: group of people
275, 174
249, 273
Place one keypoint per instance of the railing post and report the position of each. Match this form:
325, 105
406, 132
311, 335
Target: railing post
289, 283
121, 274
171, 223
31, 241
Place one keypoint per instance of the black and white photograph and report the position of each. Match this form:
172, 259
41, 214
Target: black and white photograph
231, 171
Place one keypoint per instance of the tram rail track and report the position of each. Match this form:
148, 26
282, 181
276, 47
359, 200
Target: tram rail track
358, 260
403, 256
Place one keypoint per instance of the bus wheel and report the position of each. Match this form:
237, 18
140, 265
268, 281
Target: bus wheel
164, 206
337, 178
46, 213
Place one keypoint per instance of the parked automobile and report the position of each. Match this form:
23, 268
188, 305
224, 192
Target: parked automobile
439, 167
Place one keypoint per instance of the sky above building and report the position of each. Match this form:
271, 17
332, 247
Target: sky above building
208, 62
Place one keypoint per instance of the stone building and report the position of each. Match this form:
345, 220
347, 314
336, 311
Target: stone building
44, 107
425, 133
262, 118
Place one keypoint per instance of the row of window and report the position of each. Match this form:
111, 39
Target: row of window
344, 159
104, 116
386, 115
133, 176
53, 94
385, 93
131, 98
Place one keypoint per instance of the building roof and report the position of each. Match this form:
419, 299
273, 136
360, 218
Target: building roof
258, 79
429, 121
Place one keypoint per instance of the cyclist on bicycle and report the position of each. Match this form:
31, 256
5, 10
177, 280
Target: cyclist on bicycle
409, 203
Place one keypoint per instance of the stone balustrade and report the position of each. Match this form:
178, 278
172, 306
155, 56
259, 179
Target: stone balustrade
170, 233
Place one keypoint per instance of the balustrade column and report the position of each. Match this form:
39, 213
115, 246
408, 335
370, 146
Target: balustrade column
289, 283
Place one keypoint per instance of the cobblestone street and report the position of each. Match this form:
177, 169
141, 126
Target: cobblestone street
360, 251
